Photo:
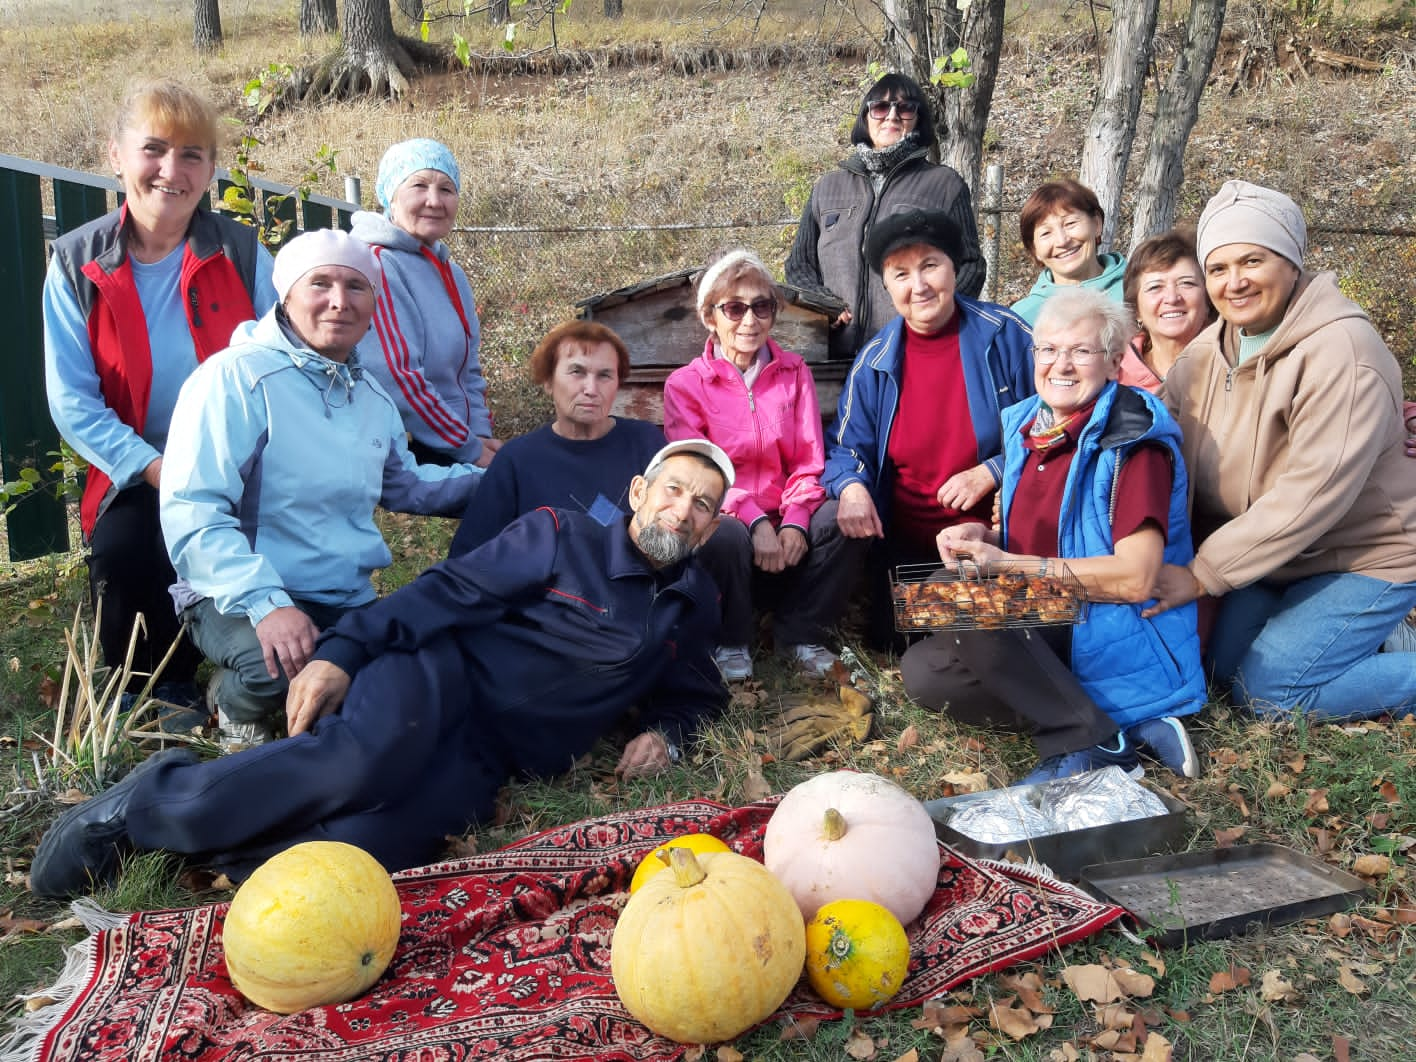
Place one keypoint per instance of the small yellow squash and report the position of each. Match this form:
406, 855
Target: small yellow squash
658, 859
857, 954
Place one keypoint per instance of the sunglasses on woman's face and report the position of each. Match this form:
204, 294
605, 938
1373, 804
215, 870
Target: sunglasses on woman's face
880, 109
762, 309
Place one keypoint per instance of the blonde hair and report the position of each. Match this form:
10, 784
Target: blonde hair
171, 109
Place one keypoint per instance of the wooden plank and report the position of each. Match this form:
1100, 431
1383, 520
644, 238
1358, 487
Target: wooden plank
39, 524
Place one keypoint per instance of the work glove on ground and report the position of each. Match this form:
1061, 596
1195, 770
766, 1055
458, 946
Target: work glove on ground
810, 722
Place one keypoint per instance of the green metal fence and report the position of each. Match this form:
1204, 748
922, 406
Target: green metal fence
37, 203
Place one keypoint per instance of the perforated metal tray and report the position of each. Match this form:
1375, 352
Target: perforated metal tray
1221, 892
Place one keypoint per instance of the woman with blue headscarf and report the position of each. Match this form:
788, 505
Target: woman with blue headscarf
426, 320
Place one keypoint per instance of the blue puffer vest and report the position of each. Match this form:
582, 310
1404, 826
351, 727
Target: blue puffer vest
1133, 668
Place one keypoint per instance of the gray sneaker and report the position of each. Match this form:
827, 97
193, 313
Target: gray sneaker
236, 737
814, 660
734, 661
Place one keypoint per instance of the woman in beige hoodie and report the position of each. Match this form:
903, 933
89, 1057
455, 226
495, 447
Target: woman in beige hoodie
1304, 504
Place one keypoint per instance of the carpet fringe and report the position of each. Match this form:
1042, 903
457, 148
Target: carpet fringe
44, 1008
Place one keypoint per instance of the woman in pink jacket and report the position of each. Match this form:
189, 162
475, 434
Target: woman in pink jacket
778, 543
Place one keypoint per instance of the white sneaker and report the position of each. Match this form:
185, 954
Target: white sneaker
734, 661
816, 660
238, 736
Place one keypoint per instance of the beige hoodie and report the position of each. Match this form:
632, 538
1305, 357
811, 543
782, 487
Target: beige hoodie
1296, 457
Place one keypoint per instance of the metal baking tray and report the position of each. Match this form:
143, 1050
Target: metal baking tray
1221, 892
1066, 853
928, 597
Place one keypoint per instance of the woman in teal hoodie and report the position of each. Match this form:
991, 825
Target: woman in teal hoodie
1061, 228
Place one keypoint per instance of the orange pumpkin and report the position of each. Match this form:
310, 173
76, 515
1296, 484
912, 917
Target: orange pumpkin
658, 859
857, 954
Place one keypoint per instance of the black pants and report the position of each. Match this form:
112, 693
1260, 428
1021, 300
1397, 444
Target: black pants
1010, 678
806, 600
129, 572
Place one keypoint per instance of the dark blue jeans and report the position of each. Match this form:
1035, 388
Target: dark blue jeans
1312, 645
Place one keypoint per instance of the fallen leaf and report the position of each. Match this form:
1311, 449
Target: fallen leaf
1157, 1049
1237, 799
72, 796
1322, 839
1275, 988
49, 691
1017, 1023
1135, 985
1092, 983
34, 1003
1341, 1050
729, 1054
909, 1056
1114, 1016
1378, 931
962, 1049
1277, 791
1181, 1016
1372, 866
909, 738
1114, 1040
66, 924
967, 781
1227, 837
936, 1012
800, 1028
1155, 962
1388, 790
694, 1053
1228, 980
1379, 820
1350, 981
1028, 987
1297, 763
755, 787
1317, 802
1065, 1053
10, 925
860, 1046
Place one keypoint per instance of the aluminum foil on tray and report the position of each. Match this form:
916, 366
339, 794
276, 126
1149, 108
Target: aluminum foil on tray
1099, 798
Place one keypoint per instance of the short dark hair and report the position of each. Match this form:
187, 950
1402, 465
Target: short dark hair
1051, 197
589, 333
897, 87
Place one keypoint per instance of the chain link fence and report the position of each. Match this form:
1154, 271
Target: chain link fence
532, 253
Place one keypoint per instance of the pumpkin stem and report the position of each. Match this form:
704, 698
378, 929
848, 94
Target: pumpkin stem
688, 872
833, 825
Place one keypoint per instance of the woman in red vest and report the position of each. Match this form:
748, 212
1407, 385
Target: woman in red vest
132, 303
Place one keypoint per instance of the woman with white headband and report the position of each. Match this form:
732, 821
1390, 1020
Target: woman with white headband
280, 448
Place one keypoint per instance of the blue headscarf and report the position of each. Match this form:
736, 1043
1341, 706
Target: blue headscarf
409, 157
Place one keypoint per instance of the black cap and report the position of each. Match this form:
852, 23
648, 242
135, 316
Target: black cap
908, 227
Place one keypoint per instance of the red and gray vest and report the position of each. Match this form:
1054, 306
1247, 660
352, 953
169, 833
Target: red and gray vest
217, 282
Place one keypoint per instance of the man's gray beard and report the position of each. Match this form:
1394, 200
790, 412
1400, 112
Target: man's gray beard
661, 546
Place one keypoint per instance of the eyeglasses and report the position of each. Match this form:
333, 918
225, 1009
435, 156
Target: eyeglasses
1047, 354
762, 309
880, 109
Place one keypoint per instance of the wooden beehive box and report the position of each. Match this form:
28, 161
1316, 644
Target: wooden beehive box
658, 321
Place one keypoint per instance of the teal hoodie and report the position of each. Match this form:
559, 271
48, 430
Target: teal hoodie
1113, 272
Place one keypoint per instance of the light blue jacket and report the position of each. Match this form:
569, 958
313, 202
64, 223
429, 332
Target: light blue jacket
1133, 668
1110, 282
276, 458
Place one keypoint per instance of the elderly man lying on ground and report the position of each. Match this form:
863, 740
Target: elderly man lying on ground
514, 658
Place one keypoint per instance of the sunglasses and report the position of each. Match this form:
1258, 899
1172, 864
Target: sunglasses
762, 309
880, 109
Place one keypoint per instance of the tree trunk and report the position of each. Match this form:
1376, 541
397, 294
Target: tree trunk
965, 111
499, 11
206, 25
614, 8
1175, 114
318, 17
412, 10
1112, 129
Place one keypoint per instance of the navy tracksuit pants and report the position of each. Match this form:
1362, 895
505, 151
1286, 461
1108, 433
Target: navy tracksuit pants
402, 764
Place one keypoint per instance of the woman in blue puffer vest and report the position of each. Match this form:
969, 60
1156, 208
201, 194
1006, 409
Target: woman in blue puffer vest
1092, 478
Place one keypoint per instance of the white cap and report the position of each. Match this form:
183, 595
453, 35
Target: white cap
701, 447
323, 247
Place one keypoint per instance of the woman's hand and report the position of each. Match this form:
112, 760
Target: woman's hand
316, 692
856, 515
964, 490
152, 474
287, 638
793, 546
648, 754
844, 319
968, 542
1176, 585
489, 451
766, 548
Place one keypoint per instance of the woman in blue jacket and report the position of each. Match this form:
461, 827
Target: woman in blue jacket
1092, 475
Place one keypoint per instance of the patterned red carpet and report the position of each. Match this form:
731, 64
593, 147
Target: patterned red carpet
507, 956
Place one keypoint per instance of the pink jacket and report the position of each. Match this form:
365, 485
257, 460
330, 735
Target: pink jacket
772, 433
